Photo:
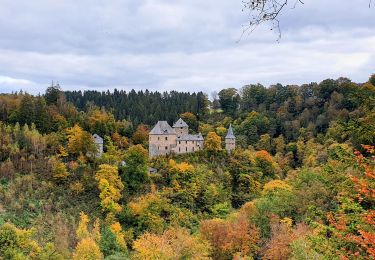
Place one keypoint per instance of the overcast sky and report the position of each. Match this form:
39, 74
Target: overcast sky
184, 45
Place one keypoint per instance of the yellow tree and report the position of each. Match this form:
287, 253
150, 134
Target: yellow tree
87, 247
58, 169
80, 142
174, 243
110, 187
213, 143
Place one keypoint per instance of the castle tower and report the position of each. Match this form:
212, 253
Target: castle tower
162, 139
230, 140
181, 128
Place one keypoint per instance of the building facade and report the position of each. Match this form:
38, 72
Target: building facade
164, 139
99, 142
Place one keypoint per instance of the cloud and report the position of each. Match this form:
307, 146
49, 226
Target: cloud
182, 45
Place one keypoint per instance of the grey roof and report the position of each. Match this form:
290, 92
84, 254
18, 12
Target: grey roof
97, 138
152, 170
162, 128
180, 123
197, 137
230, 134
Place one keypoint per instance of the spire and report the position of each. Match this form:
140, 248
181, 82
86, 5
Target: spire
230, 134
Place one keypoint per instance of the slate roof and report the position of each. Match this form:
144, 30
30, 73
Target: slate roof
97, 139
230, 134
180, 123
197, 137
162, 128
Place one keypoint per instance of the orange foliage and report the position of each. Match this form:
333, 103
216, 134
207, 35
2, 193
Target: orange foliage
365, 185
237, 236
174, 243
283, 235
140, 136
263, 155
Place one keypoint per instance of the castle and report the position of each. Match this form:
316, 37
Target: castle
164, 139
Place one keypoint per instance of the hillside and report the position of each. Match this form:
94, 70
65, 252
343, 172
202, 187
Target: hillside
300, 184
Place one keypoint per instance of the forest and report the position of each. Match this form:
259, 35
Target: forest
300, 184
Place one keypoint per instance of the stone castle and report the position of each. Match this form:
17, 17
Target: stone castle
164, 139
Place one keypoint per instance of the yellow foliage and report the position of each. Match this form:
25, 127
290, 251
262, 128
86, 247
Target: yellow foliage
58, 168
82, 230
110, 186
287, 221
137, 207
76, 187
276, 185
62, 152
180, 167
96, 231
174, 243
213, 142
87, 249
120, 237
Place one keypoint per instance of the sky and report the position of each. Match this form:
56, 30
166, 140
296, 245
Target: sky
184, 45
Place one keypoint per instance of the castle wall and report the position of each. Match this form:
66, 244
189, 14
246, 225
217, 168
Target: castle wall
161, 144
181, 131
188, 146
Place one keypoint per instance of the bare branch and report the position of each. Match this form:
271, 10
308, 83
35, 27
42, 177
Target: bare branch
262, 11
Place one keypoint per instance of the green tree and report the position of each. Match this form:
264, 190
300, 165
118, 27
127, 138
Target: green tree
229, 100
135, 170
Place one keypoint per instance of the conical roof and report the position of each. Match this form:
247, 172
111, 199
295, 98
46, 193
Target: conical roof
230, 134
180, 123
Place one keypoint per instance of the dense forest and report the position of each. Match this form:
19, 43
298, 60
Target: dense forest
300, 185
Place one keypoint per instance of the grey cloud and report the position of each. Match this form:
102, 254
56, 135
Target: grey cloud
184, 45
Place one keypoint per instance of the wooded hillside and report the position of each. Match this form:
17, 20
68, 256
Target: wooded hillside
300, 185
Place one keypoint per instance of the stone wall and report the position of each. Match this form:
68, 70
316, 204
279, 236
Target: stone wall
188, 146
161, 144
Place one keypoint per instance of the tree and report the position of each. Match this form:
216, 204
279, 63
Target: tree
135, 171
174, 243
140, 136
236, 236
264, 143
191, 120
58, 169
80, 142
53, 93
17, 243
87, 247
229, 100
283, 235
110, 187
372, 79
213, 143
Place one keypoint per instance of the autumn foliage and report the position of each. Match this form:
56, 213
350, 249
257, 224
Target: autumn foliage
236, 236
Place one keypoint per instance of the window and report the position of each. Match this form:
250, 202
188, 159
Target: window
179, 142
166, 148
158, 138
193, 149
179, 149
166, 138
186, 149
186, 142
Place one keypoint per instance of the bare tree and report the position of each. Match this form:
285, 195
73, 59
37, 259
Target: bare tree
267, 11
